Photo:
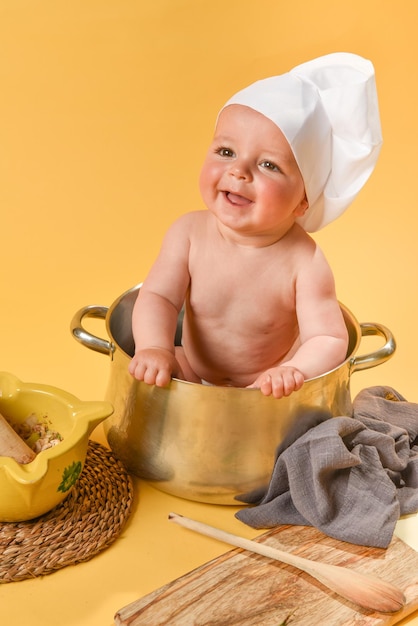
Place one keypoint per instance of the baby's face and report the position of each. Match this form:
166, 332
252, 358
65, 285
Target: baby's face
250, 179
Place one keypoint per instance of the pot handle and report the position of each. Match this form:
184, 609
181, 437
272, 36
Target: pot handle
83, 336
365, 361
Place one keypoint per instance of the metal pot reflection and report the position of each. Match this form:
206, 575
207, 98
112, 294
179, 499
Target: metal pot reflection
206, 443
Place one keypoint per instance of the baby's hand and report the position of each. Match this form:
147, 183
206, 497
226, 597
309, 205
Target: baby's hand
155, 366
279, 381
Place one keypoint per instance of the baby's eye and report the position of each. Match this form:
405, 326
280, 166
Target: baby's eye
269, 165
225, 152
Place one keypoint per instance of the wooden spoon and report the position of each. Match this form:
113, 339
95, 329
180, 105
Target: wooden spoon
12, 445
364, 590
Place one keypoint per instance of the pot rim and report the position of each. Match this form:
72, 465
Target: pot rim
347, 314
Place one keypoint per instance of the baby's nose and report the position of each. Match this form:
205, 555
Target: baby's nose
239, 169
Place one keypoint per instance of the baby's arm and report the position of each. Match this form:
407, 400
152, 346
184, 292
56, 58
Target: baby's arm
156, 310
322, 331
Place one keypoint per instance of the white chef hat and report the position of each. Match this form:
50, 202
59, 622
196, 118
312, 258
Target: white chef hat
328, 111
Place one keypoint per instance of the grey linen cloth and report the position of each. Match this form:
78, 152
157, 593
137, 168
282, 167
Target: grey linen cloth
350, 477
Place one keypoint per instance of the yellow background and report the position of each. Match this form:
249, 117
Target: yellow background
106, 110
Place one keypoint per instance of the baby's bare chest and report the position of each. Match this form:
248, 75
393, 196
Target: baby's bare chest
240, 291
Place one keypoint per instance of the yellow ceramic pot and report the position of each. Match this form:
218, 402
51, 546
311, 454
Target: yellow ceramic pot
30, 490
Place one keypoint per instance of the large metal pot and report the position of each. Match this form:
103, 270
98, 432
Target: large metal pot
204, 443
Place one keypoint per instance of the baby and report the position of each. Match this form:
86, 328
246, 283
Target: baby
289, 154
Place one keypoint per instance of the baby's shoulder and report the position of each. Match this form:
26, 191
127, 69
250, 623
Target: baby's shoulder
183, 227
300, 243
191, 220
305, 255
310, 263
195, 226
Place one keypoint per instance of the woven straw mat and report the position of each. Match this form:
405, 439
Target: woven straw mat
85, 523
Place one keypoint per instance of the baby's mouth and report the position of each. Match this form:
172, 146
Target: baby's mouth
236, 199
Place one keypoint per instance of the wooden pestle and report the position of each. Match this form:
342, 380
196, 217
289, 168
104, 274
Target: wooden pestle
12, 445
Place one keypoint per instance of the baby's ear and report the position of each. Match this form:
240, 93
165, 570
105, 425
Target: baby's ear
302, 207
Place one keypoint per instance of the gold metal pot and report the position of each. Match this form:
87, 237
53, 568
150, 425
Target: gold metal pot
204, 443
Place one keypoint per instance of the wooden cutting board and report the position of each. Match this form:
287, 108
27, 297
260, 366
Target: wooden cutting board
241, 588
